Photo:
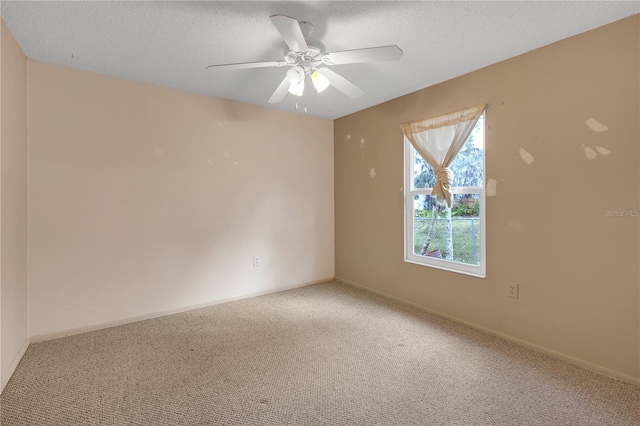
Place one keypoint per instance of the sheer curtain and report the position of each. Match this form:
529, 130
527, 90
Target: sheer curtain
439, 139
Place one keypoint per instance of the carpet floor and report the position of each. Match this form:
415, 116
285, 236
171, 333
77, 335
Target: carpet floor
325, 354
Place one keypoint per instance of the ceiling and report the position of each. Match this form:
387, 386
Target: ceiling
170, 43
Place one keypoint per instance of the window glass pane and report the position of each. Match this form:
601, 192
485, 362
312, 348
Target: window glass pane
423, 176
451, 234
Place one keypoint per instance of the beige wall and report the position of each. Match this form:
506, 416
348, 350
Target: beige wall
546, 227
13, 199
146, 200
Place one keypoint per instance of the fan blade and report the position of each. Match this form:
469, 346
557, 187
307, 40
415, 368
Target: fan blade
372, 54
341, 83
280, 92
244, 65
289, 29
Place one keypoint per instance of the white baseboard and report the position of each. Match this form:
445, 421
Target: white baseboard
14, 364
555, 354
94, 327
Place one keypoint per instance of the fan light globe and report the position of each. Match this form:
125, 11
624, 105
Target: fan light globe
295, 74
320, 82
296, 80
297, 89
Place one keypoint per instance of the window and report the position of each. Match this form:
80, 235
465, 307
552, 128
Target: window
440, 234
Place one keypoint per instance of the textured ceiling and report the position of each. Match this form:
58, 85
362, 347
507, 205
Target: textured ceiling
170, 43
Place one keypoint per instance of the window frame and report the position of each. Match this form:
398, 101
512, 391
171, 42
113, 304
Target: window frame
478, 271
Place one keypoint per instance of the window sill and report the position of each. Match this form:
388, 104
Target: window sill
445, 265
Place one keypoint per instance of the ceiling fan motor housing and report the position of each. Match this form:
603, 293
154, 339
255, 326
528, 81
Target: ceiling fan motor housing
309, 58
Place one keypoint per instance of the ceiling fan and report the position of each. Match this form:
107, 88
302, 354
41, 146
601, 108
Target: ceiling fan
307, 57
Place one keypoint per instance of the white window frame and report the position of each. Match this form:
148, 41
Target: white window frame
410, 191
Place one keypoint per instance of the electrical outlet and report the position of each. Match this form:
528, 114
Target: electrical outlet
256, 261
512, 290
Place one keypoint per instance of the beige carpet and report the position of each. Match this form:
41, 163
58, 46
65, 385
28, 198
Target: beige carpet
325, 354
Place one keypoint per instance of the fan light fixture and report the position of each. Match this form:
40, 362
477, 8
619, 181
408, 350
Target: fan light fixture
297, 75
320, 82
